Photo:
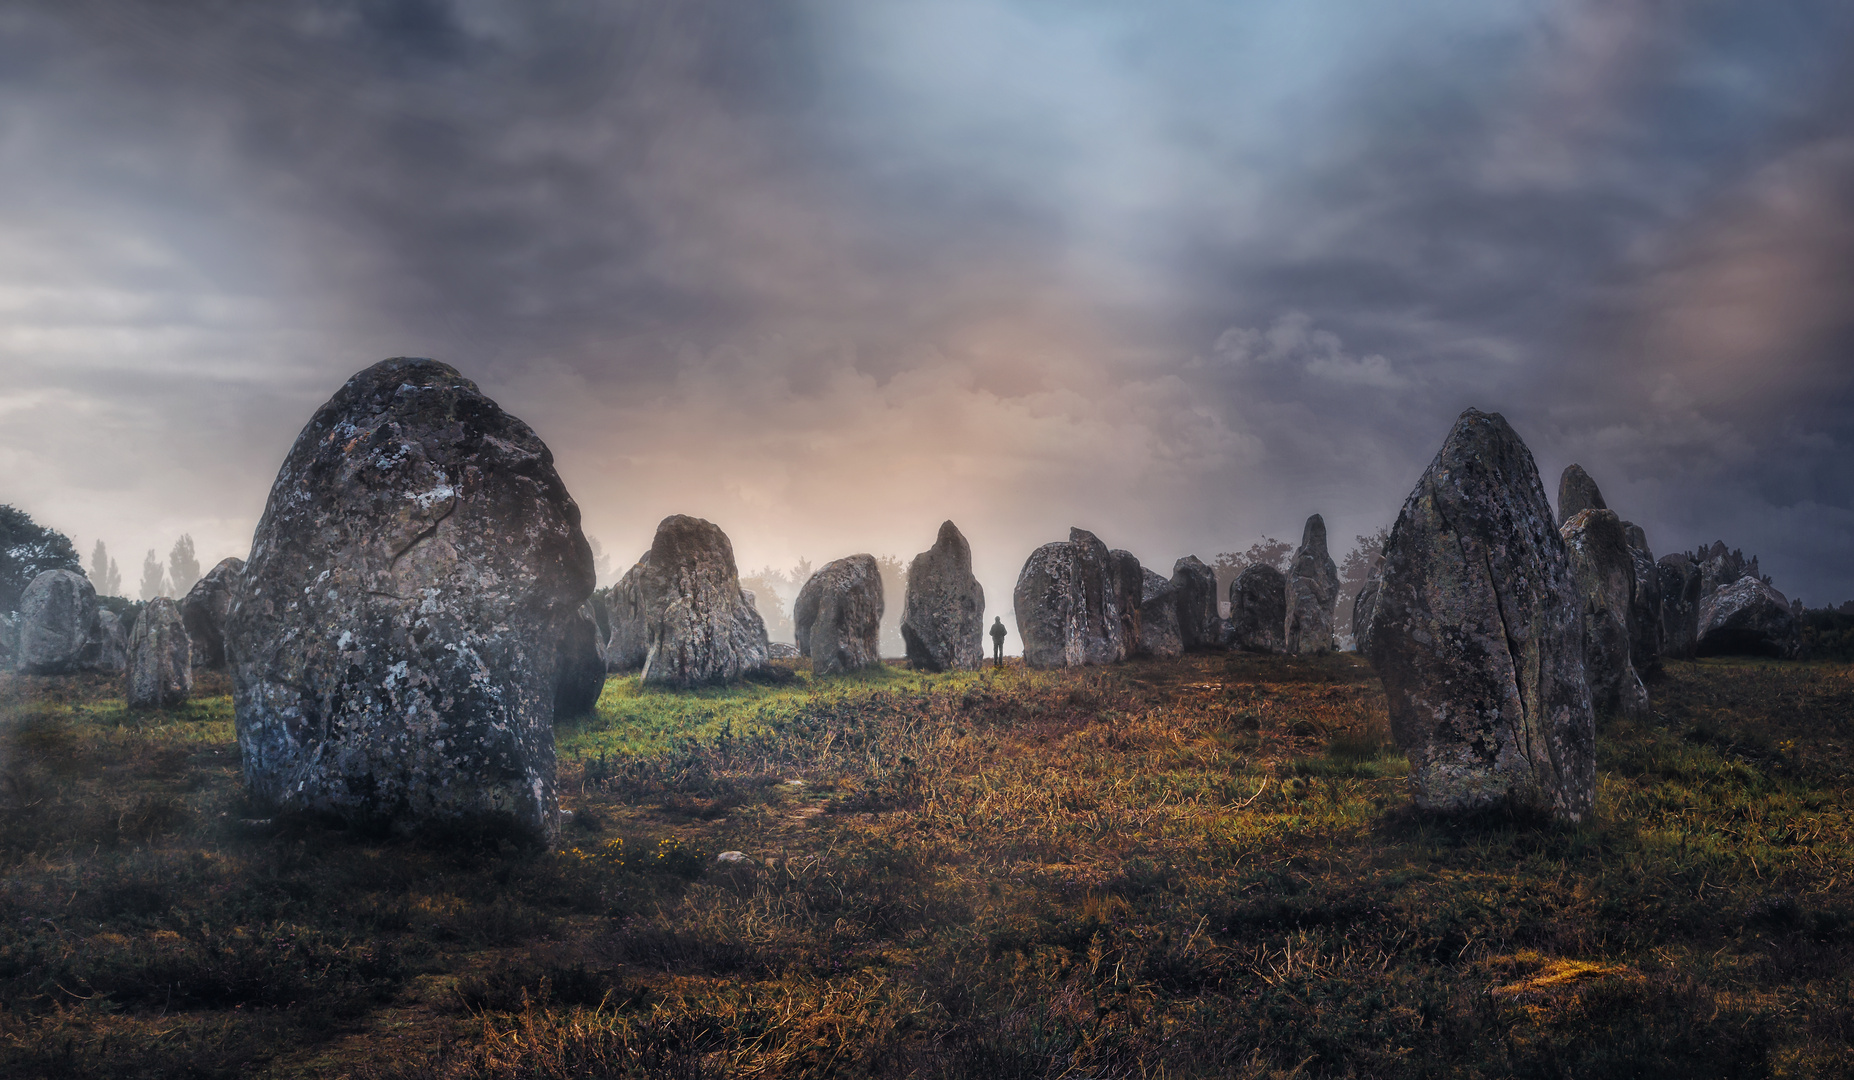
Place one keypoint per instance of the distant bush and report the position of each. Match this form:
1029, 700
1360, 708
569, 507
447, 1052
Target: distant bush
1828, 635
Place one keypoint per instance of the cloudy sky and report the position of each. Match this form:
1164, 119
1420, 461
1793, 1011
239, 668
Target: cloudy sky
827, 272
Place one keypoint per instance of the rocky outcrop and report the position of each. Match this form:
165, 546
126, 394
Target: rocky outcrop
628, 612
1746, 617
1644, 605
1312, 592
1477, 634
1604, 572
943, 613
581, 667
107, 651
1577, 493
1258, 610
204, 609
1720, 567
1158, 618
1067, 604
1680, 582
1195, 586
160, 658
1130, 596
700, 626
839, 615
395, 645
1364, 605
57, 614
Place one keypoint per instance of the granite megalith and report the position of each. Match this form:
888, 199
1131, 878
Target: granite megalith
838, 615
1258, 610
1746, 617
1644, 605
160, 668
1158, 618
1680, 604
700, 626
394, 646
1604, 573
107, 651
1312, 592
1130, 587
204, 610
1195, 585
943, 611
1067, 603
1577, 493
1364, 605
57, 614
1477, 634
581, 665
628, 612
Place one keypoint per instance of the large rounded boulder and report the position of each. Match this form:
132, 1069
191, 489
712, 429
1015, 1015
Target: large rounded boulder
699, 625
160, 657
943, 611
57, 616
838, 615
1195, 586
395, 644
1312, 592
1258, 610
1478, 636
1746, 617
204, 609
1067, 603
1603, 571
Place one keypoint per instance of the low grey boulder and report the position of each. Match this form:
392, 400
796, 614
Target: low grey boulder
1158, 618
943, 611
205, 608
160, 667
839, 615
1577, 493
1747, 617
1258, 610
1604, 573
107, 651
1067, 603
581, 668
57, 614
1312, 592
701, 627
1681, 585
1195, 586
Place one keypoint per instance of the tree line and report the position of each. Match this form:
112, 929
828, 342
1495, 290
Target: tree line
28, 549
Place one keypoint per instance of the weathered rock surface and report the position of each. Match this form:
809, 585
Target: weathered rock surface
943, 613
9, 639
160, 657
1722, 567
780, 650
1680, 603
1364, 605
628, 612
1604, 572
1130, 596
1258, 610
1195, 585
1158, 618
1577, 493
394, 646
204, 609
701, 627
839, 615
1067, 604
57, 613
1478, 635
1312, 592
1746, 617
1644, 605
107, 650
581, 667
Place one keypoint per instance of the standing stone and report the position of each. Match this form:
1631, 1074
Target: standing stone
1158, 618
1747, 617
9, 640
1644, 605
160, 658
1258, 610
1604, 572
204, 610
1478, 636
943, 611
1364, 605
628, 612
1577, 493
1130, 597
1312, 592
107, 651
581, 666
57, 613
839, 615
395, 643
1067, 604
1679, 575
701, 627
1195, 585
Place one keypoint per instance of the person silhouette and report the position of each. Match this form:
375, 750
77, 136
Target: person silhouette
997, 641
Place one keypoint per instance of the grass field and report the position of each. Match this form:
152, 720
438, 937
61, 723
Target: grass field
1206, 867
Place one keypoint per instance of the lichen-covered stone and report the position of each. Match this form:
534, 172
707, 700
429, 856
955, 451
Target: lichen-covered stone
581, 665
1258, 610
1195, 586
1747, 617
57, 613
107, 651
1478, 635
1604, 572
1577, 493
628, 611
1364, 605
1644, 605
1680, 604
1158, 618
1130, 598
204, 609
1312, 592
943, 612
838, 615
701, 627
395, 642
160, 668
1067, 602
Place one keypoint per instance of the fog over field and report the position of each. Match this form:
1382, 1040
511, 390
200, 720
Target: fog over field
827, 273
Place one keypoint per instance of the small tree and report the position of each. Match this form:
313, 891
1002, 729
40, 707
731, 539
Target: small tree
183, 568
154, 579
28, 549
104, 574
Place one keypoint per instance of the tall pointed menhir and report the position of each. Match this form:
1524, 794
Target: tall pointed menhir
943, 612
1478, 635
